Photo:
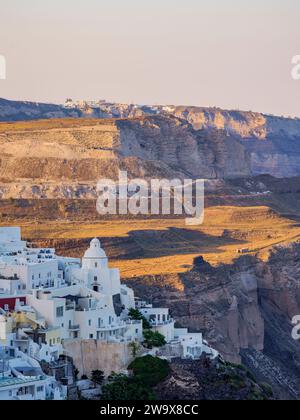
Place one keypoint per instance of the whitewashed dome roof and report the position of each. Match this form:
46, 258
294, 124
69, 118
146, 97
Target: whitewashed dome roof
95, 251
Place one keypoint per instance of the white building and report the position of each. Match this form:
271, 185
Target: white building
94, 273
193, 345
81, 313
92, 305
23, 268
46, 300
160, 320
21, 378
188, 345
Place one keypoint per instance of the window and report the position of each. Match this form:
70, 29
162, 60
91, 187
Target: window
90, 322
91, 335
96, 265
40, 389
95, 279
59, 311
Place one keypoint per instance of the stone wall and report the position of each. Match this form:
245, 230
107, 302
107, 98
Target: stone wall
89, 355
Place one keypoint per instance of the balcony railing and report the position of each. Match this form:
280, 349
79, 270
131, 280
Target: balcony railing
161, 323
74, 327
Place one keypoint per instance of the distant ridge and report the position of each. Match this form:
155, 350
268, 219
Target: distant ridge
272, 142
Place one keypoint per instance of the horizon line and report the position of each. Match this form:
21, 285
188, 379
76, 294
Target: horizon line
217, 107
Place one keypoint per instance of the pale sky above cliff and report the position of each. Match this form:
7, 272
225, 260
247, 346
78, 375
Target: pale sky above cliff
227, 53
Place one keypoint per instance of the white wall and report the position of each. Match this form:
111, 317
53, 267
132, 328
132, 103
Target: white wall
32, 276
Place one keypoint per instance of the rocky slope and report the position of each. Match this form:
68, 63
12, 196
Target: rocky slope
273, 142
206, 380
244, 310
22, 111
47, 159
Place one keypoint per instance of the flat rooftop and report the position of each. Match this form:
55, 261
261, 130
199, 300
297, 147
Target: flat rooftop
8, 382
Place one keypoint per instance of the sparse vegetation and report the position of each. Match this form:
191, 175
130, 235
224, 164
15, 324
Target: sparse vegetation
136, 315
153, 339
150, 370
147, 372
98, 377
123, 388
135, 347
267, 389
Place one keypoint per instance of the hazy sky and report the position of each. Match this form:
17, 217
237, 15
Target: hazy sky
227, 53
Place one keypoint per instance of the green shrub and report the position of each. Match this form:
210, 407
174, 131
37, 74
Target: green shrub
251, 376
124, 388
150, 370
257, 396
267, 389
153, 339
136, 315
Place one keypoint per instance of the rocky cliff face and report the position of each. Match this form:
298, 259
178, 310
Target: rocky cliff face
47, 158
206, 153
273, 142
207, 380
222, 302
22, 111
244, 124
244, 310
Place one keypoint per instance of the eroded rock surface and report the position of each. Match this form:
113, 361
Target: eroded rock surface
244, 310
273, 142
206, 380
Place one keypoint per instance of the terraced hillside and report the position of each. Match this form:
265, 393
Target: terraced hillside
234, 278
273, 142
41, 159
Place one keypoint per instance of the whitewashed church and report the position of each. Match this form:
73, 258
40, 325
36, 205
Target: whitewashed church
51, 301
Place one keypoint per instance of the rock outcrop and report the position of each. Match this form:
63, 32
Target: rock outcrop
206, 380
221, 302
48, 159
244, 310
273, 142
22, 111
